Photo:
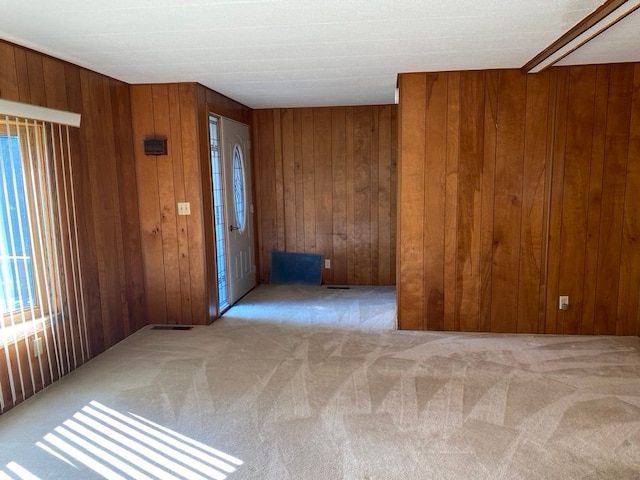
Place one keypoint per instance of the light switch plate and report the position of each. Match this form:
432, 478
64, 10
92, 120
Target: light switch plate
563, 303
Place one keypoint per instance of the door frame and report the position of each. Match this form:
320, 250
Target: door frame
210, 267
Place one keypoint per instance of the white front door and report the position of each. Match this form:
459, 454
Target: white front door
239, 209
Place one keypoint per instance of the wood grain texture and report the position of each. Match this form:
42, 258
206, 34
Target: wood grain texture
183, 301
393, 196
411, 199
133, 310
82, 148
111, 230
374, 194
533, 190
338, 193
435, 196
265, 189
508, 200
613, 198
308, 181
385, 167
178, 251
339, 190
35, 72
288, 178
167, 197
629, 290
582, 82
348, 155
279, 180
298, 185
556, 193
469, 207
540, 179
595, 199
362, 131
141, 263
22, 75
149, 205
487, 190
9, 86
195, 156
592, 211
108, 224
451, 312
323, 187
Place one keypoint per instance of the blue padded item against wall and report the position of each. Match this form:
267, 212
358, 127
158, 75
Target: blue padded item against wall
296, 267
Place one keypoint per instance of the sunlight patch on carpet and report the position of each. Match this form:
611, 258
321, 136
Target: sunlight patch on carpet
121, 446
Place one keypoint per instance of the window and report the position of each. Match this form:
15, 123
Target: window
16, 274
24, 236
43, 322
218, 214
238, 187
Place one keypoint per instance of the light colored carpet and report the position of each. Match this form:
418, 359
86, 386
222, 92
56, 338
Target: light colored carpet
309, 383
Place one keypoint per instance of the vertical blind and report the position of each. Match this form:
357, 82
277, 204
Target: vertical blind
43, 326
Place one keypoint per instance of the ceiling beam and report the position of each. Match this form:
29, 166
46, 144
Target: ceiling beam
604, 17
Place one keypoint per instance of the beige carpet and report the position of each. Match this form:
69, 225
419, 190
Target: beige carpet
321, 387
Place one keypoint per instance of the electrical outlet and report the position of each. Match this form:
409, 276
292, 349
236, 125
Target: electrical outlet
563, 303
327, 263
184, 208
37, 346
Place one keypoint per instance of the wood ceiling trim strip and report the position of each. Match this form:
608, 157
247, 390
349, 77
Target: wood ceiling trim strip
607, 9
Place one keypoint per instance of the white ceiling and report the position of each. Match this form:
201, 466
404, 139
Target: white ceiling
281, 53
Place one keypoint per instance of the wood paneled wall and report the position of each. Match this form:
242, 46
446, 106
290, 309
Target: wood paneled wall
516, 189
326, 183
107, 206
179, 275
595, 258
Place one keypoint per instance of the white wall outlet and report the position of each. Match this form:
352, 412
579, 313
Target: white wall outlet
327, 263
563, 303
37, 346
184, 208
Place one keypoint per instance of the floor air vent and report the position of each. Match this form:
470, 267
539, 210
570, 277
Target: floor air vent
171, 327
338, 288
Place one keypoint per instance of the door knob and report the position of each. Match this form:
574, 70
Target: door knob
232, 228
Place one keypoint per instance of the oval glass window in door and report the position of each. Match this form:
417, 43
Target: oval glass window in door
238, 188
